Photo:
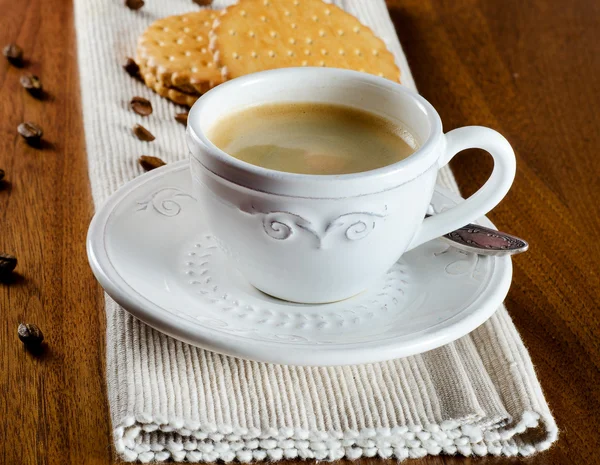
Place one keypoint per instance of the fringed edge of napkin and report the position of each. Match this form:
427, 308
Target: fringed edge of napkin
147, 439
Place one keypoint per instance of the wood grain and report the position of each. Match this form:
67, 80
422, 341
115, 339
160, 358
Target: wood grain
528, 69
53, 406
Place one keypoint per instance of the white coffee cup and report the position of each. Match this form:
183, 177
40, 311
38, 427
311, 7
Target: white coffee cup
323, 238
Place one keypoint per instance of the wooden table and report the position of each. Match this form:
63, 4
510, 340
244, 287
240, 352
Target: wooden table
529, 69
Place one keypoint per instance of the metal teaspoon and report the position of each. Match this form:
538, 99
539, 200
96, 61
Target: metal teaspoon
485, 241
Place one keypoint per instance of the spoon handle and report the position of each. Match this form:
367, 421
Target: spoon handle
485, 241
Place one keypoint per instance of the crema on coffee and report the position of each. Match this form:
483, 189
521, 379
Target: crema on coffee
312, 138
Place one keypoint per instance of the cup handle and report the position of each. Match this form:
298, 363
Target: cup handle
487, 197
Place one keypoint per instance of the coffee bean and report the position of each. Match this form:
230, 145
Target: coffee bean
132, 68
2, 173
141, 106
202, 2
142, 133
30, 334
182, 118
7, 264
149, 163
31, 132
134, 4
14, 54
32, 84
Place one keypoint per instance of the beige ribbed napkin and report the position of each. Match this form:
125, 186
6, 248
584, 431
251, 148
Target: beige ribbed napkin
476, 396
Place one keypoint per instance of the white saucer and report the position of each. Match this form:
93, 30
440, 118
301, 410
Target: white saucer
151, 251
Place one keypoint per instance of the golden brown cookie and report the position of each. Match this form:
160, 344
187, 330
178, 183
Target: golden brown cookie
256, 35
175, 51
175, 95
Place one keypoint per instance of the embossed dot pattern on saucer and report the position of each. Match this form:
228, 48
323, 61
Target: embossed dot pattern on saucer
201, 265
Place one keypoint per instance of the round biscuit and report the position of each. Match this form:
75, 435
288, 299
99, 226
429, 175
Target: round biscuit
175, 95
256, 35
175, 49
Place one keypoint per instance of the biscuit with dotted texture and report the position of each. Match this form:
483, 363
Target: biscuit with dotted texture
175, 51
256, 35
173, 94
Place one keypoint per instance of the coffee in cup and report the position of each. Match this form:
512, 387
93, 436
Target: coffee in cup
312, 138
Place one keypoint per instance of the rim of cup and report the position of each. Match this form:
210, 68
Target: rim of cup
256, 177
